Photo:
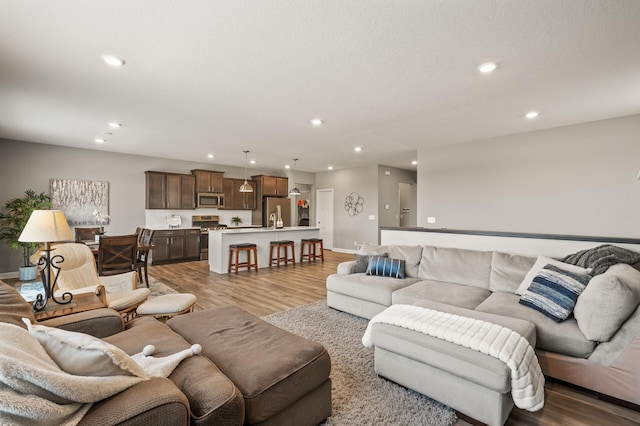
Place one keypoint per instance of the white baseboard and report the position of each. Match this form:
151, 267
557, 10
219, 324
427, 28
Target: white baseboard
340, 250
6, 275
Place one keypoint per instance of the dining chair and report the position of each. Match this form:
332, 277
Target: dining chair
117, 254
86, 234
145, 245
78, 274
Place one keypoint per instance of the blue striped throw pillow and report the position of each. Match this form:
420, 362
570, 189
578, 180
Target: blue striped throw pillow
385, 267
554, 292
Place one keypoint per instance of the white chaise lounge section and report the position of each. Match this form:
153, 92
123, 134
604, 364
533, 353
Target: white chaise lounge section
527, 380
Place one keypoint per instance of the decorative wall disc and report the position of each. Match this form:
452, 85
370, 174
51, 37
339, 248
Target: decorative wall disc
354, 204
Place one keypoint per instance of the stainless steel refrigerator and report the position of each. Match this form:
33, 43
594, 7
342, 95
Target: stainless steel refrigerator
269, 206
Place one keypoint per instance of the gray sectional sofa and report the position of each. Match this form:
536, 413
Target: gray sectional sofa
597, 347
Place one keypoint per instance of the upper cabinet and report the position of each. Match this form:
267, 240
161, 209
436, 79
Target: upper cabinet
273, 186
208, 181
236, 200
169, 191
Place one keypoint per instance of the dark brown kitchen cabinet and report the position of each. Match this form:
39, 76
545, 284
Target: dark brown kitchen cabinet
192, 244
175, 245
174, 191
273, 186
156, 190
188, 191
236, 200
170, 191
208, 181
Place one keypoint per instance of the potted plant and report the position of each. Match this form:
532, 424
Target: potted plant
13, 221
236, 220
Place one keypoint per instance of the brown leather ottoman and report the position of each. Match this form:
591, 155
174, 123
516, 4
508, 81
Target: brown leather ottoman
284, 378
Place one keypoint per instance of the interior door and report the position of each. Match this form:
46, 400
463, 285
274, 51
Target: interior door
324, 215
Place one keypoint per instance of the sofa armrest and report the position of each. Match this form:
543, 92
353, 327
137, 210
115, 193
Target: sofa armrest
347, 268
155, 401
97, 322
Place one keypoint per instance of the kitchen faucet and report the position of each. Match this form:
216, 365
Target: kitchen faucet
272, 219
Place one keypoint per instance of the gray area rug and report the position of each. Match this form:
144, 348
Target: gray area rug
360, 396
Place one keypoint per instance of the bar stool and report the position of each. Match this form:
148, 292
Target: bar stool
312, 253
283, 244
236, 249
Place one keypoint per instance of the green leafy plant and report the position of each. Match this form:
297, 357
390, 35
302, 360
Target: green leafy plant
14, 219
236, 220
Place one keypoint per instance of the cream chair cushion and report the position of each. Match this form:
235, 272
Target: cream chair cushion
78, 270
120, 301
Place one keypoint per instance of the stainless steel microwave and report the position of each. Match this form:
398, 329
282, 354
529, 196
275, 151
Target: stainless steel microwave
207, 200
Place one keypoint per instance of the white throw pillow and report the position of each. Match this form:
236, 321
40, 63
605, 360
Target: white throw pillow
607, 302
541, 262
84, 355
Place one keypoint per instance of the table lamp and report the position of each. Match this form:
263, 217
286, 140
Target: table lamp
47, 226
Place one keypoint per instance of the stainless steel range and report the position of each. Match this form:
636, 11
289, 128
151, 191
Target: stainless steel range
206, 223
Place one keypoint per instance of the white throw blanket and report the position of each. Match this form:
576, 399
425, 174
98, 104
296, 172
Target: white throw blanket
527, 380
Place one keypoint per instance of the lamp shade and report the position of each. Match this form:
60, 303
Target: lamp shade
46, 226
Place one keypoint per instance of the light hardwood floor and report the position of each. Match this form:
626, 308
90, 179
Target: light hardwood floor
273, 290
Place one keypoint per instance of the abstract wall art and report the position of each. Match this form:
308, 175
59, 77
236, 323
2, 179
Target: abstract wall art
354, 204
80, 200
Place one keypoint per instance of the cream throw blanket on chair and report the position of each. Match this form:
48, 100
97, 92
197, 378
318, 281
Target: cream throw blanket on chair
527, 380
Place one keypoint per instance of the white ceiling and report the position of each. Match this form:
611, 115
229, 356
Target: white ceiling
394, 76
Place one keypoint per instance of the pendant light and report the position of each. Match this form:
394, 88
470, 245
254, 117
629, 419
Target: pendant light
245, 187
294, 191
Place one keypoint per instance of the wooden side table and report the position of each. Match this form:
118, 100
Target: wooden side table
81, 302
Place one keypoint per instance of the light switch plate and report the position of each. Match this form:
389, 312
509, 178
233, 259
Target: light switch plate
431, 219
372, 217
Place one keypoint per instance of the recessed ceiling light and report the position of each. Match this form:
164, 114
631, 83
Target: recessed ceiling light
286, 166
99, 140
210, 155
487, 67
316, 122
532, 114
114, 61
358, 149
252, 161
414, 163
330, 168
114, 124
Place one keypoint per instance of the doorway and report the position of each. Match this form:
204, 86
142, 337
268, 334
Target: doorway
324, 216
407, 204
302, 207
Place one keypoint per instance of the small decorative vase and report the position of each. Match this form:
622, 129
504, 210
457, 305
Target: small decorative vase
28, 273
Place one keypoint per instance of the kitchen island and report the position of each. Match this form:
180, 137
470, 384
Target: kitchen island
219, 241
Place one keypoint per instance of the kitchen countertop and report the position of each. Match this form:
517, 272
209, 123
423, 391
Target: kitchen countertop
166, 228
262, 229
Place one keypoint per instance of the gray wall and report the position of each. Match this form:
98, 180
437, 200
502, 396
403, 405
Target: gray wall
347, 229
30, 166
577, 179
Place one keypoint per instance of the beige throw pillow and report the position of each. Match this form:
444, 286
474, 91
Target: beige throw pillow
541, 262
84, 355
607, 302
